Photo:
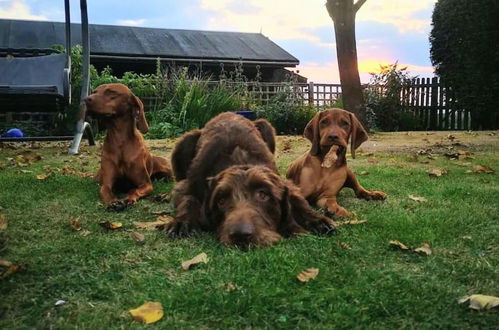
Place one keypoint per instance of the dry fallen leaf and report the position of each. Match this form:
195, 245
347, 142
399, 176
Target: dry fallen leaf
200, 258
399, 245
43, 176
437, 172
111, 225
230, 287
480, 301
138, 237
149, 312
364, 173
163, 197
481, 169
308, 274
331, 157
75, 224
349, 222
345, 246
5, 263
160, 221
10, 270
418, 198
3, 222
85, 233
424, 249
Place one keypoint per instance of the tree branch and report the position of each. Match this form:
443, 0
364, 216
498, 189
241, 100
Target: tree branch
358, 4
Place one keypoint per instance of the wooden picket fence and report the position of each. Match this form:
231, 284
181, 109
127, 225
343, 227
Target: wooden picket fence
432, 104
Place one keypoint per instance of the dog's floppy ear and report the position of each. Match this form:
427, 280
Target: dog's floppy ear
183, 153
138, 108
312, 133
358, 134
267, 131
298, 216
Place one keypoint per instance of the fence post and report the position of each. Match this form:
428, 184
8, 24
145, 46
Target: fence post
311, 93
434, 103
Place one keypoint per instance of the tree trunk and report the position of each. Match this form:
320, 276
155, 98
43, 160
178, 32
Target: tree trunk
343, 13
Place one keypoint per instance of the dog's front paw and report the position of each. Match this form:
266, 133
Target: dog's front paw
179, 229
338, 212
324, 226
116, 206
377, 195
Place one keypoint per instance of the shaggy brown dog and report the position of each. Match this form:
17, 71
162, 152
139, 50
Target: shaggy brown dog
126, 164
321, 174
228, 183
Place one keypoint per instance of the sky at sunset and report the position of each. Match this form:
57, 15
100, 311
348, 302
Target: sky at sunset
387, 30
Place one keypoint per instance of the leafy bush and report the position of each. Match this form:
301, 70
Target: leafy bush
286, 114
385, 100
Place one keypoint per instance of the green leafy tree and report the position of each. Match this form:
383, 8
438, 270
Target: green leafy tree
465, 52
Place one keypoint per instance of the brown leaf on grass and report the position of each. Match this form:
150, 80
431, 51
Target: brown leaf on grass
230, 287
200, 258
160, 221
349, 222
3, 222
491, 134
399, 245
5, 263
451, 137
452, 155
418, 198
43, 176
111, 225
437, 172
2, 165
481, 169
372, 161
424, 249
75, 224
364, 173
463, 164
138, 237
13, 268
480, 301
162, 197
307, 274
160, 212
85, 233
345, 246
286, 145
149, 312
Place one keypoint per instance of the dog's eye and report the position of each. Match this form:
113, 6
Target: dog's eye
324, 123
222, 202
262, 195
344, 124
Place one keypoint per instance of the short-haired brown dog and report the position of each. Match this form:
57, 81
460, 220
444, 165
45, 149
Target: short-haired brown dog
322, 172
126, 164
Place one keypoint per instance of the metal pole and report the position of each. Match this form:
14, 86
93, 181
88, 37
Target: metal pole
81, 125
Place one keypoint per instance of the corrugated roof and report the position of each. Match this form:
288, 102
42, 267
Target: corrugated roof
147, 42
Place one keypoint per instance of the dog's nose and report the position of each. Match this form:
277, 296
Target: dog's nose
241, 233
87, 100
332, 137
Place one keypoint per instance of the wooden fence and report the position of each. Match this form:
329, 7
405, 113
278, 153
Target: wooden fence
433, 105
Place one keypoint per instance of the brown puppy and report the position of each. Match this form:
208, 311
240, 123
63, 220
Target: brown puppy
126, 164
228, 183
321, 174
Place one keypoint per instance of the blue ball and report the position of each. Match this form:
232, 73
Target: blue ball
14, 132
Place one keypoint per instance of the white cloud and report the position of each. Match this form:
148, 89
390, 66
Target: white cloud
131, 22
295, 19
18, 9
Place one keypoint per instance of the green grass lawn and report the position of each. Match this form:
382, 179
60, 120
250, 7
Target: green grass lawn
103, 274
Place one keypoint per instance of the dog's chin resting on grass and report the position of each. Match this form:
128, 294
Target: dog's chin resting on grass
228, 183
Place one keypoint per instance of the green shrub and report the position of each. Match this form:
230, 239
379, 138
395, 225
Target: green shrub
283, 112
385, 101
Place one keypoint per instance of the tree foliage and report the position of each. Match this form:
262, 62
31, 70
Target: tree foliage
465, 51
